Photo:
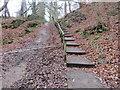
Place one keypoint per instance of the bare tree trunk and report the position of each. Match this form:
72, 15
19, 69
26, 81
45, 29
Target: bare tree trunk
23, 12
65, 8
5, 4
33, 6
69, 6
108, 18
6, 12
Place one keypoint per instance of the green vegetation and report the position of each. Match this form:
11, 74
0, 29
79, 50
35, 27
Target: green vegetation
27, 31
102, 55
33, 17
112, 13
7, 42
3, 24
86, 34
109, 61
65, 23
96, 38
100, 60
76, 31
100, 28
68, 26
22, 35
33, 24
76, 16
16, 23
14, 38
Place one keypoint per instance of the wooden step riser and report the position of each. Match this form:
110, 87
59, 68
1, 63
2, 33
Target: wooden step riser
71, 45
80, 65
76, 53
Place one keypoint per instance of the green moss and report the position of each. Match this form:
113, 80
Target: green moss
28, 30
85, 34
76, 31
33, 24
7, 42
14, 38
22, 35
68, 26
77, 17
16, 23
96, 38
100, 28
112, 13
5, 26
100, 60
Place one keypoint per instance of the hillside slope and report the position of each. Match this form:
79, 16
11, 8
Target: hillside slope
95, 27
18, 31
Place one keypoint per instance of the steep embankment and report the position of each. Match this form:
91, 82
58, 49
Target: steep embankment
95, 27
16, 31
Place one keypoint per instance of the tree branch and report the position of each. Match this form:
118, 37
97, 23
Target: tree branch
3, 6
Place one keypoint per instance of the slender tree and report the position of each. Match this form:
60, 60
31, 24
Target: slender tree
5, 5
6, 11
40, 10
53, 10
23, 9
69, 3
65, 8
33, 6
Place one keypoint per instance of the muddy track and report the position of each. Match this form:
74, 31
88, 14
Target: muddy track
38, 67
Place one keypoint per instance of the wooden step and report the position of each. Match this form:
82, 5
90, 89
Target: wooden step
71, 44
68, 35
77, 61
69, 39
75, 51
65, 31
82, 79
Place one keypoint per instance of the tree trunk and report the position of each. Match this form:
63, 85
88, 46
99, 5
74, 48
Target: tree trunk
108, 18
5, 4
23, 12
65, 8
6, 12
33, 6
69, 6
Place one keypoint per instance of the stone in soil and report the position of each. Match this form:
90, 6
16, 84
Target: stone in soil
82, 79
75, 51
78, 61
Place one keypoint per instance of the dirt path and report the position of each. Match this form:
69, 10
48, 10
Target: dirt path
15, 73
15, 65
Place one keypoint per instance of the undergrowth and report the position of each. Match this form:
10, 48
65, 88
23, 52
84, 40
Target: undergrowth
100, 28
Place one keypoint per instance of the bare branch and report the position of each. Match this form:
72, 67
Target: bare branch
26, 10
1, 8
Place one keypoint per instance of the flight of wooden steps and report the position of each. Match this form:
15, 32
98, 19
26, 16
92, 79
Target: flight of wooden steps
78, 78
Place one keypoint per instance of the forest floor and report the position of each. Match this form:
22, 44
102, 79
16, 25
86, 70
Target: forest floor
34, 60
102, 47
32, 57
